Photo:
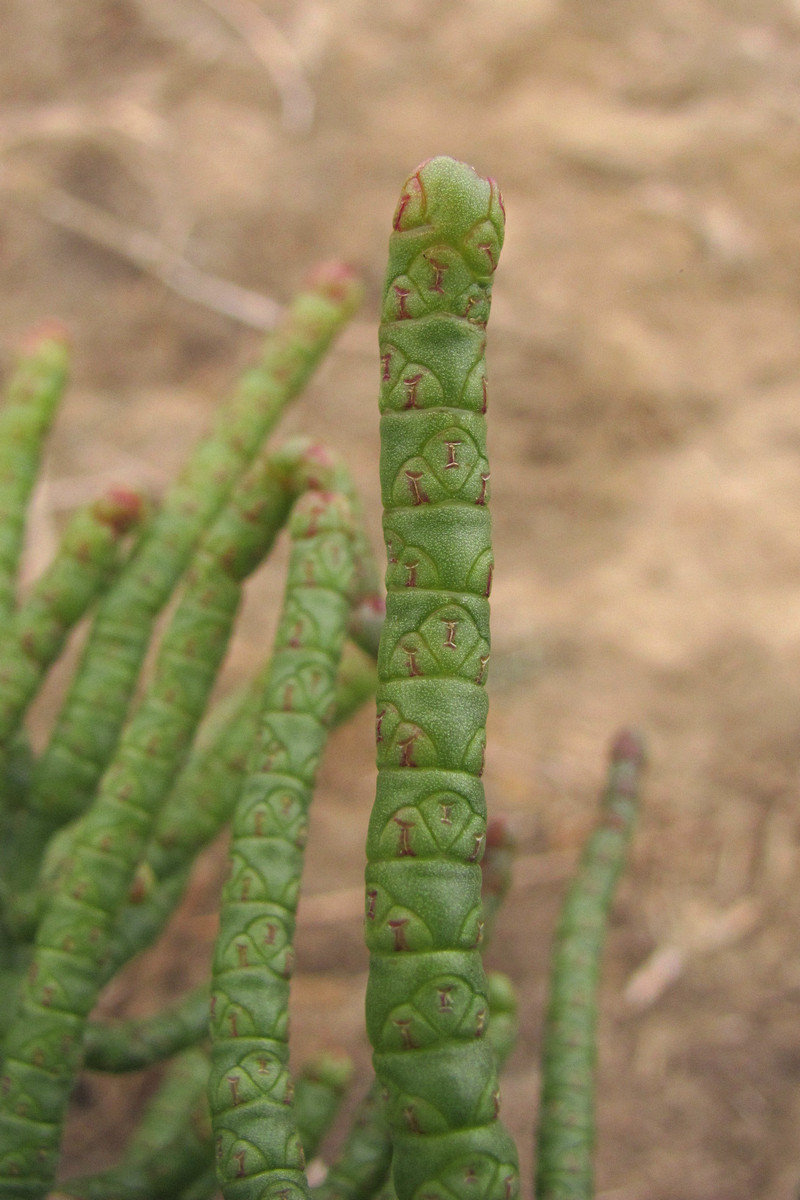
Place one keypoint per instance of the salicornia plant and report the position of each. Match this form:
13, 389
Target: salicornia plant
99, 830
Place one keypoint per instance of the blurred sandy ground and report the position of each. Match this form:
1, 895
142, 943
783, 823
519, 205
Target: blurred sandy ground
645, 440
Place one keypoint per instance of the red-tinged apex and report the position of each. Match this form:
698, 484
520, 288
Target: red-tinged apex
628, 746
336, 281
121, 508
49, 330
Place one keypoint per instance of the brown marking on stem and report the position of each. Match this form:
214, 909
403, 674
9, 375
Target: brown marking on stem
244, 895
407, 750
288, 1094
488, 589
484, 661
471, 302
404, 1025
378, 723
439, 269
411, 578
309, 573
240, 1156
445, 998
495, 189
480, 1022
450, 643
411, 384
484, 387
476, 853
372, 898
233, 1080
481, 501
295, 640
411, 1119
288, 697
398, 928
417, 492
412, 664
270, 934
479, 928
241, 950
446, 811
402, 205
233, 1024
288, 963
470, 1174
386, 359
452, 462
402, 295
496, 1102
404, 847
488, 250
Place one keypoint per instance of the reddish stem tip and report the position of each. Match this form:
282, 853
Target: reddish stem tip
335, 280
121, 508
628, 746
49, 330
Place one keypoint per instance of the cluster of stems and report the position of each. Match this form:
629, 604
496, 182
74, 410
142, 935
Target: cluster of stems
99, 830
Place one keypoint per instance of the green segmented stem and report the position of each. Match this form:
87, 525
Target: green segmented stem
204, 796
319, 1091
95, 709
426, 997
170, 1148
88, 557
284, 474
259, 1153
43, 1046
31, 398
137, 1043
565, 1142
361, 1168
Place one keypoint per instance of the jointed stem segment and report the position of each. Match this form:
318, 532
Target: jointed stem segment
427, 1010
565, 1145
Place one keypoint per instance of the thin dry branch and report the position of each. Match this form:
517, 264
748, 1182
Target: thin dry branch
150, 254
277, 54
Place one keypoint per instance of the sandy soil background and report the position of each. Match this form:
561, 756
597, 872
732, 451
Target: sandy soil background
645, 439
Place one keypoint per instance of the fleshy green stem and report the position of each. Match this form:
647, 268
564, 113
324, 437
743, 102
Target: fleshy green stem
427, 1007
259, 1152
43, 1046
95, 709
565, 1143
31, 398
